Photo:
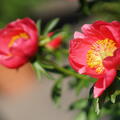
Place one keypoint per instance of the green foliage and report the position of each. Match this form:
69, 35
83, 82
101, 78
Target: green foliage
79, 104
114, 96
110, 97
86, 106
39, 69
107, 10
50, 26
38, 24
81, 116
84, 7
107, 104
56, 91
79, 84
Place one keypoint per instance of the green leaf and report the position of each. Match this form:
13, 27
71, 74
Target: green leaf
114, 95
100, 102
97, 106
81, 116
38, 68
78, 84
44, 41
79, 104
56, 34
50, 26
92, 114
56, 91
38, 24
38, 72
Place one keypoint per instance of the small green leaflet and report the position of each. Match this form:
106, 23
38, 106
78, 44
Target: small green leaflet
38, 24
50, 26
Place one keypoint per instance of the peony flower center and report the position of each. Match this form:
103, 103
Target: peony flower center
98, 51
14, 38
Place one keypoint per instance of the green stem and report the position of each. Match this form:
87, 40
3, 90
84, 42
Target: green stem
44, 41
64, 70
67, 72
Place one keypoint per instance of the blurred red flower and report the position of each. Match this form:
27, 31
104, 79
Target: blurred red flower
96, 52
18, 41
54, 43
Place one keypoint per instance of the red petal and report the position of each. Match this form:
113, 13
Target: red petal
97, 25
13, 62
74, 64
113, 61
116, 33
78, 51
109, 62
92, 33
102, 84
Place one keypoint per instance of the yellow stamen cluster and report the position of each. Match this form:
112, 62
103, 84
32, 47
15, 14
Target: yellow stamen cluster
14, 38
98, 51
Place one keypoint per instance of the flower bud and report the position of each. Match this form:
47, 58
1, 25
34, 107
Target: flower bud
54, 43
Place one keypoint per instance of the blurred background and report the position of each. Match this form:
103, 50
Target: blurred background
38, 105
68, 10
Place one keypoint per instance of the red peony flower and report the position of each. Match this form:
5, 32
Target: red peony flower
96, 52
18, 41
55, 43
